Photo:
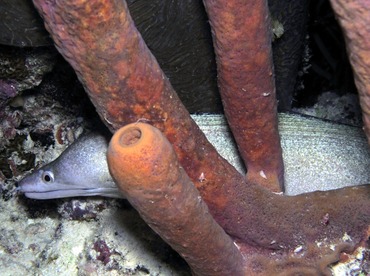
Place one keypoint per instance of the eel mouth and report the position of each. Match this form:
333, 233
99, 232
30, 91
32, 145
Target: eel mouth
51, 194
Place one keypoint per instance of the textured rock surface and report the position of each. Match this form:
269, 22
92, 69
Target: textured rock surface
37, 237
21, 25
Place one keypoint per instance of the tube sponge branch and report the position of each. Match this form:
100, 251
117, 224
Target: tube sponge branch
147, 171
354, 19
242, 42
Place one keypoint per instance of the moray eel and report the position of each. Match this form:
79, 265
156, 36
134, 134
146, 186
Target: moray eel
81, 170
318, 155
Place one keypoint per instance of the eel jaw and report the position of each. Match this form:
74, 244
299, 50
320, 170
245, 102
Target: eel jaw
106, 192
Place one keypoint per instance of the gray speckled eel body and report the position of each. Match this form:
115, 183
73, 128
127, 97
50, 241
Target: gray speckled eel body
81, 170
318, 155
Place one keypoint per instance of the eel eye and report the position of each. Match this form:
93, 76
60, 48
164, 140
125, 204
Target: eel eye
47, 177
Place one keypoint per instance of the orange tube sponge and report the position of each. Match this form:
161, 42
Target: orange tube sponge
354, 18
147, 171
242, 42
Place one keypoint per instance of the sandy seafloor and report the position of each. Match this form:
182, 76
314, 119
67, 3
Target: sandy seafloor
89, 236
